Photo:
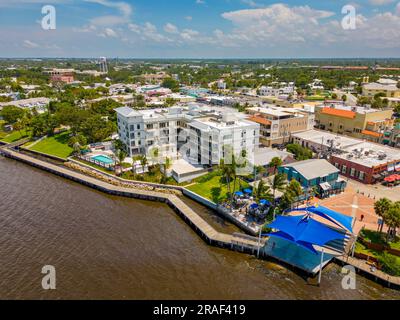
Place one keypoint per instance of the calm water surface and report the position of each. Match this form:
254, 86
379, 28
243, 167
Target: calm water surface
106, 247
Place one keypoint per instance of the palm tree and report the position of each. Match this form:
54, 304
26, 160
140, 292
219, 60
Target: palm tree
134, 159
167, 165
227, 172
259, 170
382, 207
278, 183
275, 163
263, 192
392, 219
121, 155
143, 161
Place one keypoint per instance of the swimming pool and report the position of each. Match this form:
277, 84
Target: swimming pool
103, 159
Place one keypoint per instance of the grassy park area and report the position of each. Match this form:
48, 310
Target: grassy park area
214, 187
12, 136
390, 262
56, 145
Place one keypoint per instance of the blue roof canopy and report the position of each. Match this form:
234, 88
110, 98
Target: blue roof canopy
337, 218
304, 231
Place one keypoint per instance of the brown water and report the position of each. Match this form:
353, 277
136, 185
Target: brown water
106, 247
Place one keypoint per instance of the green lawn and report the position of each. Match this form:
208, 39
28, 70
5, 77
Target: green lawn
214, 190
56, 145
379, 238
13, 136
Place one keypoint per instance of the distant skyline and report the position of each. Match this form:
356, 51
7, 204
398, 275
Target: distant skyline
196, 29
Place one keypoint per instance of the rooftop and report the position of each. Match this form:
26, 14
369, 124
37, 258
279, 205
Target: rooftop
365, 153
313, 168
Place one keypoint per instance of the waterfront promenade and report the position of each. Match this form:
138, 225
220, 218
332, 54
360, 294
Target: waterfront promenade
237, 242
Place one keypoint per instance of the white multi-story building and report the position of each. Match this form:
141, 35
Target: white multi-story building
279, 91
200, 136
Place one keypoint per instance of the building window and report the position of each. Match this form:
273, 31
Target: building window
361, 175
344, 169
352, 172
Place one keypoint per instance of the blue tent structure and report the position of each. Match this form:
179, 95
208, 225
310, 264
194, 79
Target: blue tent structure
304, 231
337, 218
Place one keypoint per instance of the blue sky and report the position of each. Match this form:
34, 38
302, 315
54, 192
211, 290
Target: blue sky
200, 29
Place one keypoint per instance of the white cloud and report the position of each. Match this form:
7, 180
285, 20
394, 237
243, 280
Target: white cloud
200, 2
253, 4
170, 28
380, 2
303, 28
109, 33
124, 9
30, 44
189, 18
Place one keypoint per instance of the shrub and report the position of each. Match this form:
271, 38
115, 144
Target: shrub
390, 264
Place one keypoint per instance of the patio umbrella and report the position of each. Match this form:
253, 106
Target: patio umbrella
389, 179
254, 206
265, 202
239, 193
248, 191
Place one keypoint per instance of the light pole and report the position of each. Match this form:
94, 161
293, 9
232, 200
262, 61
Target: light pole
259, 240
320, 267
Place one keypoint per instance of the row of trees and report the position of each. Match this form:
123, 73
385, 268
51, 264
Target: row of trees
291, 191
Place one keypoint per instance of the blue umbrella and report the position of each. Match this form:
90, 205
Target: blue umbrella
265, 202
254, 206
239, 193
248, 191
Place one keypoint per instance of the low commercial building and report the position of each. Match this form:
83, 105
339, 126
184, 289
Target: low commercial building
40, 104
315, 173
357, 122
277, 124
357, 159
389, 90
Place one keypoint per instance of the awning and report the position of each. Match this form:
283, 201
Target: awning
325, 186
377, 176
333, 216
304, 231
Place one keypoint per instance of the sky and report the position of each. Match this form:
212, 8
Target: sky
201, 29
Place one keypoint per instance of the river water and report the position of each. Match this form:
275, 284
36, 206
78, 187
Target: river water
106, 247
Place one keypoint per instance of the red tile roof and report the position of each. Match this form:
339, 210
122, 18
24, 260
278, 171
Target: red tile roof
260, 120
372, 133
339, 112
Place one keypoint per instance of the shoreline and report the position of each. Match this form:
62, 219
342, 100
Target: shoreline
235, 242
